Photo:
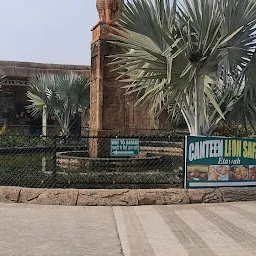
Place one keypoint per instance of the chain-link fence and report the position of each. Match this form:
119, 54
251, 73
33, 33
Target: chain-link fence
113, 161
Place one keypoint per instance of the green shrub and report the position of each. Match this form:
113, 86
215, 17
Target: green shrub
232, 130
14, 141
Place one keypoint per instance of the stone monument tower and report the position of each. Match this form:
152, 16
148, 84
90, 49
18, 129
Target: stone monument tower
107, 110
111, 111
108, 10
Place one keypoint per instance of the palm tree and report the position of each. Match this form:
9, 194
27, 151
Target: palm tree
62, 95
195, 58
2, 76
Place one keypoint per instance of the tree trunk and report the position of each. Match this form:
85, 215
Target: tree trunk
84, 117
197, 109
44, 121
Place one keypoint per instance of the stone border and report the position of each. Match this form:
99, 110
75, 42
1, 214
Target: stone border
65, 159
124, 197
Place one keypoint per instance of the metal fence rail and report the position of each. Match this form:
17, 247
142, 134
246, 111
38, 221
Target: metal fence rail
57, 162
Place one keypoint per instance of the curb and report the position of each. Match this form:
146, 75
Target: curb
124, 197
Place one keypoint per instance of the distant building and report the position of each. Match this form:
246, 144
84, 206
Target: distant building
13, 98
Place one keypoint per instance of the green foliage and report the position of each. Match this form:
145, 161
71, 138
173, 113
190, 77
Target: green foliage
23, 142
63, 95
231, 130
26, 170
3, 131
195, 58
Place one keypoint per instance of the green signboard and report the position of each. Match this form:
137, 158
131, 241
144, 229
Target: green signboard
125, 147
220, 162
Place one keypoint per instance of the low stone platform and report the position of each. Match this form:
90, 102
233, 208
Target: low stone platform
124, 197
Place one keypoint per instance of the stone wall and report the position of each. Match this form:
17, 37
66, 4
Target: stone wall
124, 197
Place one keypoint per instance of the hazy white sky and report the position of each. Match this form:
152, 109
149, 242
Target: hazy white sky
48, 31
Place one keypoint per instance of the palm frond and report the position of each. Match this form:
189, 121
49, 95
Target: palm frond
171, 47
63, 95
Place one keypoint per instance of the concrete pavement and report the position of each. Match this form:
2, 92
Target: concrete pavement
210, 229
33, 230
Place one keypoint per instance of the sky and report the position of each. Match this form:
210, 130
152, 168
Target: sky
47, 31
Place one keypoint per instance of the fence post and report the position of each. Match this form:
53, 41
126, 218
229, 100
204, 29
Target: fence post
184, 162
54, 157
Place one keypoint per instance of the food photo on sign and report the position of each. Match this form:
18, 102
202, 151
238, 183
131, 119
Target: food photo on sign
239, 172
219, 172
252, 172
197, 172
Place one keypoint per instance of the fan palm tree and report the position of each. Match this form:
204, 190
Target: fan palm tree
62, 95
2, 76
195, 58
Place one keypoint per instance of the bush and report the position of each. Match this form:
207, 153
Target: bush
15, 141
232, 130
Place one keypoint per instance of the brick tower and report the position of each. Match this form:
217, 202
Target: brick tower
111, 111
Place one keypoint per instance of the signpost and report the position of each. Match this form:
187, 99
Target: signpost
125, 147
220, 162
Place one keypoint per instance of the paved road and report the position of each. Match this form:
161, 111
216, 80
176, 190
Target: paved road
196, 230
